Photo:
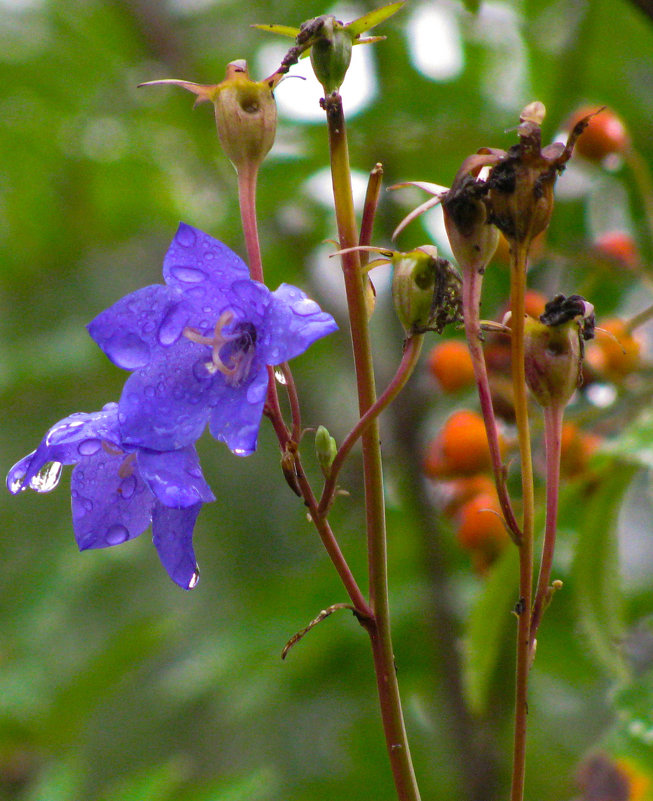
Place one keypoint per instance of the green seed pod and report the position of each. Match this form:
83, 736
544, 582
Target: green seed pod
553, 360
245, 115
426, 291
325, 449
330, 52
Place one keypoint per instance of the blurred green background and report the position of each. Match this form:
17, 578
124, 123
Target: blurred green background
115, 684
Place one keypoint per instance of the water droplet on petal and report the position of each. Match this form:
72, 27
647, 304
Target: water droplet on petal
189, 275
129, 351
15, 481
47, 478
194, 579
116, 534
185, 236
60, 432
89, 446
256, 393
127, 487
172, 324
305, 307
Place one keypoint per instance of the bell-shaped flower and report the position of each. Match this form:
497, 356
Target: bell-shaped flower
117, 490
200, 346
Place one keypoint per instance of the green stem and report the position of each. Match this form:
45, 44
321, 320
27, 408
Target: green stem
553, 416
404, 371
517, 291
379, 626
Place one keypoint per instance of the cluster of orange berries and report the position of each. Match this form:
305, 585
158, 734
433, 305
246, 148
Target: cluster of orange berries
459, 455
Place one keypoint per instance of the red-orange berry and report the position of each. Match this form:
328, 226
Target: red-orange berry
619, 247
615, 353
605, 134
480, 526
464, 444
576, 448
461, 490
451, 364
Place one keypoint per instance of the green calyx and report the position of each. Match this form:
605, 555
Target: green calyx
331, 53
426, 291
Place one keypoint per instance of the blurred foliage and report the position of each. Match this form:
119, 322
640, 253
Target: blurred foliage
116, 685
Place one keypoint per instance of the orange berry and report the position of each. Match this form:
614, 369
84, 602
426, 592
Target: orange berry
576, 448
450, 363
619, 247
615, 353
480, 525
464, 444
605, 134
461, 490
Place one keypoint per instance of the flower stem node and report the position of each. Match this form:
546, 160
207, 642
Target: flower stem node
554, 349
426, 291
325, 450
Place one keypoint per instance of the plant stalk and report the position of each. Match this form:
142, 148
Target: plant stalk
553, 416
379, 626
519, 251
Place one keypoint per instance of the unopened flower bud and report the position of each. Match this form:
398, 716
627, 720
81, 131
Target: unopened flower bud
325, 449
426, 291
554, 348
245, 115
330, 52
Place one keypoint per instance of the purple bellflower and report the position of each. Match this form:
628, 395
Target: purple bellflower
117, 490
200, 345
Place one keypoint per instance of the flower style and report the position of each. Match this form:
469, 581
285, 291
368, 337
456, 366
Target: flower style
117, 490
200, 345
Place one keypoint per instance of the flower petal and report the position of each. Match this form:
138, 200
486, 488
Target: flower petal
165, 405
175, 477
110, 504
237, 411
292, 324
67, 442
131, 331
196, 260
172, 531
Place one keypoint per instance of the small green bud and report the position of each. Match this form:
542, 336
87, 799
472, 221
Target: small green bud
245, 115
426, 291
325, 449
330, 52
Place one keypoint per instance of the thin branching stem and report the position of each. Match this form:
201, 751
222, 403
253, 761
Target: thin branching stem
379, 626
519, 252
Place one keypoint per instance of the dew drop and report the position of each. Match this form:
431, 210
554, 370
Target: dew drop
256, 393
281, 378
305, 307
189, 275
15, 483
116, 534
127, 487
59, 433
172, 324
129, 351
185, 236
89, 446
194, 579
47, 478
87, 503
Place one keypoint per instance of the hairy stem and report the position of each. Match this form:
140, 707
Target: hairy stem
472, 279
379, 626
519, 252
553, 416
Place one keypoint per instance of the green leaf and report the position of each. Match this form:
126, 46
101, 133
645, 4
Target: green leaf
596, 569
154, 784
486, 627
373, 18
282, 30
